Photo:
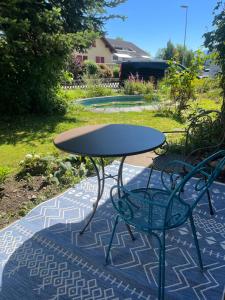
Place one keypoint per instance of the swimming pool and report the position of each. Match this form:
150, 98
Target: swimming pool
114, 101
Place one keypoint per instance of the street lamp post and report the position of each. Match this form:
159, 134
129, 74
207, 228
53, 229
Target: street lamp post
185, 29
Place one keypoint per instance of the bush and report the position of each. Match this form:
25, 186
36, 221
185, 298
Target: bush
152, 97
36, 38
116, 72
181, 82
35, 165
4, 172
163, 90
95, 87
67, 77
75, 66
61, 171
105, 71
98, 91
90, 68
135, 86
204, 85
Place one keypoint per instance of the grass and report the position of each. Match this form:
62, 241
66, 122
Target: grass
35, 134
75, 94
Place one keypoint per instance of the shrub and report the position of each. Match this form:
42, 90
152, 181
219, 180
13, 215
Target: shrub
36, 38
105, 71
95, 87
116, 72
98, 91
163, 90
181, 81
152, 97
90, 67
67, 77
4, 172
61, 171
134, 86
204, 85
35, 165
75, 66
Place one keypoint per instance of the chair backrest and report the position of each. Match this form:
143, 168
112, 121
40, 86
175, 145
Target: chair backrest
204, 131
204, 175
164, 205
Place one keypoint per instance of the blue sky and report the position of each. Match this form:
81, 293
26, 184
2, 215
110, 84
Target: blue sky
151, 23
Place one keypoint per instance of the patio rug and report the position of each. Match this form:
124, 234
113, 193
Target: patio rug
44, 257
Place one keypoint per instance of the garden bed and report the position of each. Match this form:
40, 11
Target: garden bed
18, 196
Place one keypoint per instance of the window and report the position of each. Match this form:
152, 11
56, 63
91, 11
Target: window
118, 48
93, 44
81, 58
115, 57
100, 59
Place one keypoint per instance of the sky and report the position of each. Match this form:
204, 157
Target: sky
151, 23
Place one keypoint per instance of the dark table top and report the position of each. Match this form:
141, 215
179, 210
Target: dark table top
110, 140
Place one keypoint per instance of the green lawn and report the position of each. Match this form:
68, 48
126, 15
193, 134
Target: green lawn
35, 134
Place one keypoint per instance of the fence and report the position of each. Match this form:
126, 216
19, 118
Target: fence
112, 83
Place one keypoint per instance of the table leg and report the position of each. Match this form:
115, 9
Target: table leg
120, 172
120, 184
101, 184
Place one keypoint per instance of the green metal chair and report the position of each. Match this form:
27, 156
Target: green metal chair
204, 135
155, 210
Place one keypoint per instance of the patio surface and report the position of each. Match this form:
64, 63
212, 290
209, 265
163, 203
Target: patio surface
143, 160
44, 257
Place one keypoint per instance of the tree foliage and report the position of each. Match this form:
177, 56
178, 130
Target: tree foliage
36, 38
177, 53
215, 42
181, 82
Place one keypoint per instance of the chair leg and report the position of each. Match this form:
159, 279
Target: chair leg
161, 276
210, 203
196, 242
111, 239
162, 267
130, 232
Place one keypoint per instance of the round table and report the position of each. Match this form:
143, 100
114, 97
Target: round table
110, 140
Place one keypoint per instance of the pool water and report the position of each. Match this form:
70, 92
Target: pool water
114, 101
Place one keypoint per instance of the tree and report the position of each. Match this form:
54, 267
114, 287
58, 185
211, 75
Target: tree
171, 52
36, 38
214, 41
181, 81
167, 53
184, 55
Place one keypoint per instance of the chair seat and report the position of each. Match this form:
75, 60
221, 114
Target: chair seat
160, 162
152, 217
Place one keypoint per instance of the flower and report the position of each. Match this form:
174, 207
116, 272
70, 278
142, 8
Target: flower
29, 156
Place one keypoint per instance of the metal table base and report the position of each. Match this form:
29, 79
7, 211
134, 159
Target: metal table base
101, 177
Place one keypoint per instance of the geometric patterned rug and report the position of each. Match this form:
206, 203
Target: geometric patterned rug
42, 256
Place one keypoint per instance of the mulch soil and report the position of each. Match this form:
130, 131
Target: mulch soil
17, 196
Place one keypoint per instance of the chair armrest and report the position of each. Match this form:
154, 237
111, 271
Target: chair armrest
163, 149
177, 162
174, 176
